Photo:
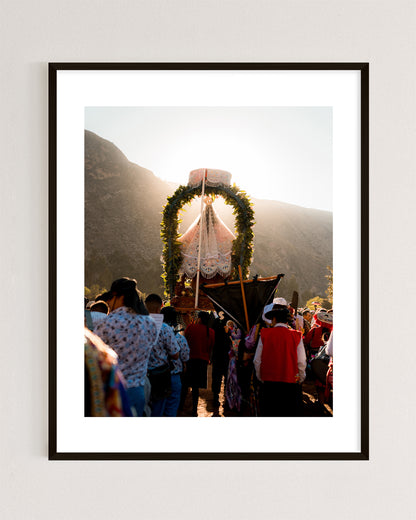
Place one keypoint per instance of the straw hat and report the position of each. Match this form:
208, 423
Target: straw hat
325, 317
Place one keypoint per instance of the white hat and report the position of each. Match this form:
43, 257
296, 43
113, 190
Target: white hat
269, 307
280, 301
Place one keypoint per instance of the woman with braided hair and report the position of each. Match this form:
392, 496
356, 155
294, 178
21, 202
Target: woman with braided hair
131, 334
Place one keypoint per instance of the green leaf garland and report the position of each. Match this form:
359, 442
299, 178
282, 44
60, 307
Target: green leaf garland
242, 248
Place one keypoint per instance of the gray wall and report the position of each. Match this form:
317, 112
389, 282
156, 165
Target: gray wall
34, 33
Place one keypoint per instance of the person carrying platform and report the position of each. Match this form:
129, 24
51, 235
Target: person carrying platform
280, 363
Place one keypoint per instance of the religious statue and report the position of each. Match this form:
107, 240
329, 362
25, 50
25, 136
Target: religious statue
207, 235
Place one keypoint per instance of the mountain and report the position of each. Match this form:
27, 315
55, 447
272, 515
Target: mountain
123, 205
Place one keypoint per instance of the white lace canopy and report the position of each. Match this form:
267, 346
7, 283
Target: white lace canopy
214, 177
216, 244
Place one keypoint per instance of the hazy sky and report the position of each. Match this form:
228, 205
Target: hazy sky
278, 153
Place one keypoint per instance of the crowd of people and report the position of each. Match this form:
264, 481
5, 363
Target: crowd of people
141, 358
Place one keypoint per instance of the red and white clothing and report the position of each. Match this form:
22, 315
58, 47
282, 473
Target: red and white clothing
280, 355
313, 338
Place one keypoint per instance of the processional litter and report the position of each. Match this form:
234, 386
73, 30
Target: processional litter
207, 268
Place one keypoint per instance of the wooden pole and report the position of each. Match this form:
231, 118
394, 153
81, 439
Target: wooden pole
240, 274
200, 240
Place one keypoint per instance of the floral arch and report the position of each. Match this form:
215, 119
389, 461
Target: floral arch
242, 246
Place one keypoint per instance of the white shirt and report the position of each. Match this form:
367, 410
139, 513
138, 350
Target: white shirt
329, 346
300, 353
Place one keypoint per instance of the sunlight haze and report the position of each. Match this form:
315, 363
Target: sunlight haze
276, 153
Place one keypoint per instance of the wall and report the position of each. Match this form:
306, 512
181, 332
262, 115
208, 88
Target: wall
34, 33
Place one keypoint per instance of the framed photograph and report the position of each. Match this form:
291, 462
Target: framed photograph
196, 180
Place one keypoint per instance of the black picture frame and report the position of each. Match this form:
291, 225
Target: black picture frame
363, 69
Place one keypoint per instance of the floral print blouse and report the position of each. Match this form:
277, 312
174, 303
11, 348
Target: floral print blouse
177, 364
165, 346
132, 336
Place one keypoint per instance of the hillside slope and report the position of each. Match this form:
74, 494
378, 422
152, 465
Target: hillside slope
123, 204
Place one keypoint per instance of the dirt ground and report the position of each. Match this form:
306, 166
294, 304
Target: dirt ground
206, 408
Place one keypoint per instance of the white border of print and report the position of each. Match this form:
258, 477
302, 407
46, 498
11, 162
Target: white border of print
79, 89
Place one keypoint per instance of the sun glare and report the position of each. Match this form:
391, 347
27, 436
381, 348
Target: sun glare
277, 153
